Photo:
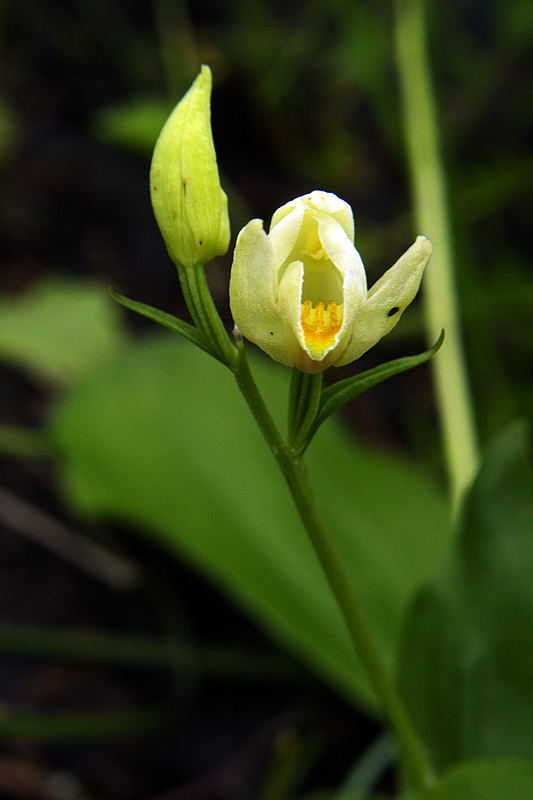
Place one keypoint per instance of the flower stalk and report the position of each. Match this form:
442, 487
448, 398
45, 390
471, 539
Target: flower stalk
304, 402
205, 315
367, 650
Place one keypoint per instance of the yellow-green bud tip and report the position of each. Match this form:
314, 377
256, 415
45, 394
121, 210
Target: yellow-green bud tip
189, 204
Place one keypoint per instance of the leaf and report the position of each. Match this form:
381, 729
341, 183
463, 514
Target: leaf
62, 329
81, 726
23, 442
467, 666
368, 769
169, 321
49, 641
340, 393
482, 780
134, 125
164, 440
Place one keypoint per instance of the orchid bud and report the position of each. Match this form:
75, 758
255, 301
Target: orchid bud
300, 292
188, 201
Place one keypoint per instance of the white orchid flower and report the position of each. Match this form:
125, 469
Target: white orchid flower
300, 292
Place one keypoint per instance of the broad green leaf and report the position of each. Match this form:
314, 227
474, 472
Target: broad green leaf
482, 780
62, 329
467, 667
164, 440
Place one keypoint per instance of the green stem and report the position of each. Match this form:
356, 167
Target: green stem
205, 315
367, 650
432, 217
304, 400
257, 406
362, 638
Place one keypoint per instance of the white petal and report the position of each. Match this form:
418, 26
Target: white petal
284, 237
337, 209
290, 305
387, 300
290, 309
327, 202
342, 252
252, 298
344, 255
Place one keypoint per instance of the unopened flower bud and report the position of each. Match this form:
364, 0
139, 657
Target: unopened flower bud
188, 201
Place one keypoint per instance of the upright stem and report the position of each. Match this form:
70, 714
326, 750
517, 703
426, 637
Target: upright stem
205, 315
366, 648
304, 400
432, 217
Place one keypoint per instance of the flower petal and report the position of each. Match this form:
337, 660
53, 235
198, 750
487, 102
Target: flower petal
252, 297
285, 239
339, 210
342, 253
325, 202
310, 351
387, 300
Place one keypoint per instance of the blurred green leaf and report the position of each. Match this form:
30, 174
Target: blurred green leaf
293, 755
169, 321
62, 329
81, 726
48, 641
482, 780
25, 442
368, 770
135, 125
467, 666
164, 440
8, 130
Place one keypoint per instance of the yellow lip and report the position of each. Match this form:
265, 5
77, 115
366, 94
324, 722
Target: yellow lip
320, 326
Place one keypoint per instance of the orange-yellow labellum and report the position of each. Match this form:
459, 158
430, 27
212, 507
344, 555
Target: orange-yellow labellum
320, 326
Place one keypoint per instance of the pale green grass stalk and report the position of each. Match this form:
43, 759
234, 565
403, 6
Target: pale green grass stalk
432, 219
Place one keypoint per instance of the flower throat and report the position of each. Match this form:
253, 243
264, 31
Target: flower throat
321, 319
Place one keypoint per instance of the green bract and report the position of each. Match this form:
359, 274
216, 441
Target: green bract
300, 292
188, 201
